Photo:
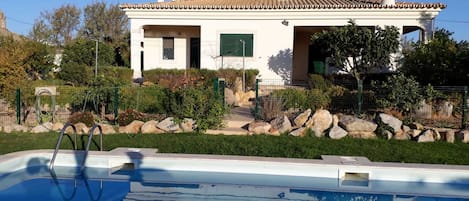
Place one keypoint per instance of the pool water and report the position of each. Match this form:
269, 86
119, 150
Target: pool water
37, 183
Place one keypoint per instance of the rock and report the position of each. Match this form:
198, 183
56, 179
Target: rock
57, 126
337, 132
401, 136
387, 134
436, 134
168, 125
426, 136
319, 122
244, 99
414, 133
301, 119
445, 109
416, 125
81, 128
281, 124
132, 128
15, 128
150, 127
450, 136
259, 127
188, 125
108, 129
335, 120
229, 97
299, 132
358, 127
238, 84
463, 136
43, 128
391, 121
424, 111
405, 129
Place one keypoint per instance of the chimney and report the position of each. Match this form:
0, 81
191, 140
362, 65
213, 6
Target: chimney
388, 2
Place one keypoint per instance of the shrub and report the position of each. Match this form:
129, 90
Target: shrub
128, 116
84, 117
75, 74
317, 81
122, 75
271, 107
151, 99
303, 99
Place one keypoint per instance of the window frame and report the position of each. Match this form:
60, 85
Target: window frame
230, 44
171, 49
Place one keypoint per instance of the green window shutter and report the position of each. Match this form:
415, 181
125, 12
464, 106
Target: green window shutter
231, 45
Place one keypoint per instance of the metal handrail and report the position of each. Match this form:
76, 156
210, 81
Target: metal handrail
59, 141
90, 138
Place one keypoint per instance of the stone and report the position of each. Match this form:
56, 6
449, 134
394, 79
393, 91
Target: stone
244, 98
301, 119
463, 136
81, 128
426, 136
320, 122
229, 97
436, 134
401, 136
15, 128
259, 127
416, 125
355, 125
414, 133
405, 129
335, 120
337, 132
445, 109
41, 129
238, 84
424, 111
362, 134
57, 126
391, 121
281, 124
188, 125
150, 127
387, 134
299, 132
168, 125
132, 128
108, 129
450, 136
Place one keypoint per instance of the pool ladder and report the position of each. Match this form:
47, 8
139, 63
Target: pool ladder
74, 143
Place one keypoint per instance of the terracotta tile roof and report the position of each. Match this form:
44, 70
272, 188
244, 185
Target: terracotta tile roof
276, 4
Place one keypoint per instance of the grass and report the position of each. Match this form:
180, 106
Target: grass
262, 145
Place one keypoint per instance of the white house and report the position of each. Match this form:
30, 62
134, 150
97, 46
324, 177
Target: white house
276, 34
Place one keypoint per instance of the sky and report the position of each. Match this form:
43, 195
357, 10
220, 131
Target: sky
21, 14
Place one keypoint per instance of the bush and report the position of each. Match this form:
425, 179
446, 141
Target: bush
122, 75
151, 99
75, 74
271, 107
129, 116
84, 117
317, 81
303, 99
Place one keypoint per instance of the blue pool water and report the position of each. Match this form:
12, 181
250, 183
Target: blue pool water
37, 184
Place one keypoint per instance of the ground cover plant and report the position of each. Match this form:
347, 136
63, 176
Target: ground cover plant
377, 150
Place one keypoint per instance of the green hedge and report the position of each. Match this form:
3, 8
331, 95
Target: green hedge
303, 99
176, 79
123, 75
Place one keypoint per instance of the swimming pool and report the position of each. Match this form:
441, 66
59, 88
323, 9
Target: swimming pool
142, 174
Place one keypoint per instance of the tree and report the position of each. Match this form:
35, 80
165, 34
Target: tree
106, 22
82, 51
40, 59
12, 73
359, 50
57, 27
441, 61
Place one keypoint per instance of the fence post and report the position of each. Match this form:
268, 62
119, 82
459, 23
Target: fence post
222, 90
256, 109
215, 85
116, 103
464, 109
18, 105
359, 96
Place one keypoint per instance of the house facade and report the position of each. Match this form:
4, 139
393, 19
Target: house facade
272, 36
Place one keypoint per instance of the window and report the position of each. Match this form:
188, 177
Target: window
168, 48
231, 45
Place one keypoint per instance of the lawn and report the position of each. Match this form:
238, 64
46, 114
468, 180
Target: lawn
260, 145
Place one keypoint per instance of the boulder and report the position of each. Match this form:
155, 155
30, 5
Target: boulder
463, 136
57, 126
401, 136
244, 98
15, 128
319, 122
259, 127
424, 111
43, 128
450, 136
391, 121
168, 125
133, 127
301, 119
281, 124
362, 134
426, 136
355, 125
229, 97
405, 129
445, 109
150, 127
81, 128
108, 129
387, 134
416, 125
414, 133
335, 120
337, 132
299, 132
238, 84
188, 125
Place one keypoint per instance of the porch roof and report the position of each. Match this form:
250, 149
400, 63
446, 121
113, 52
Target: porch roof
279, 4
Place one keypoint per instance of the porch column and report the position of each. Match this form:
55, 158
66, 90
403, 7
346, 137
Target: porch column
427, 31
136, 41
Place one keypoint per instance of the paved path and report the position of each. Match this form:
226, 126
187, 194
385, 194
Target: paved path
235, 122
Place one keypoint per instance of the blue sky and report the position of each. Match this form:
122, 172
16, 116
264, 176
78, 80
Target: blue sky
22, 13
